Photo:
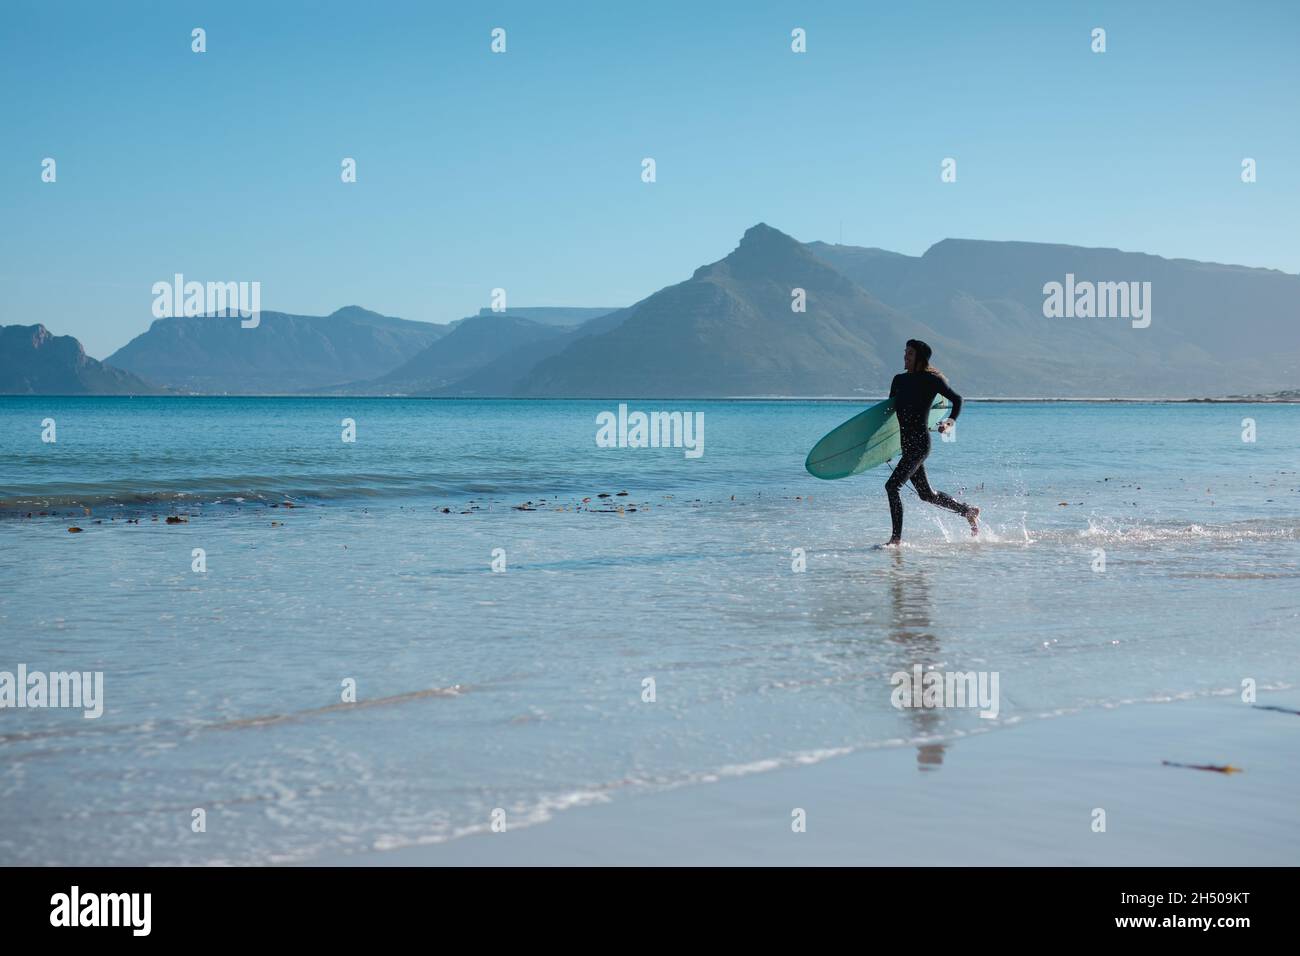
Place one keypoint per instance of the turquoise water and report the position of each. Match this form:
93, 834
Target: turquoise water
523, 690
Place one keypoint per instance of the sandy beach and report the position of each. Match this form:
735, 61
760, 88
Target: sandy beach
1020, 795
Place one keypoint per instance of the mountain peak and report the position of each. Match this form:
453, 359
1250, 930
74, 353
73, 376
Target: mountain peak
354, 312
34, 361
40, 334
763, 236
763, 251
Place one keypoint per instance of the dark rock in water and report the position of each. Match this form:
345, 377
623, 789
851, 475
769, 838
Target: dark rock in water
622, 494
603, 494
446, 511
1215, 768
176, 519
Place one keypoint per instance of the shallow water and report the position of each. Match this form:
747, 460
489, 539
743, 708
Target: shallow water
523, 690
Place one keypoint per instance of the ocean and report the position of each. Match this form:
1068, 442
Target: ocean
348, 672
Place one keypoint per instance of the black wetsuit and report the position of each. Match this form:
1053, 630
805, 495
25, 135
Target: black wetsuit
913, 394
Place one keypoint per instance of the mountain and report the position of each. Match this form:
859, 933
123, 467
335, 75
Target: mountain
558, 315
1208, 321
503, 375
282, 354
472, 344
730, 330
34, 362
879, 271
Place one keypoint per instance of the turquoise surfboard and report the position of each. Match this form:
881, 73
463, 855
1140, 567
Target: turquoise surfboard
864, 441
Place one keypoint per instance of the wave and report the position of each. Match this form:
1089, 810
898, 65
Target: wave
1255, 529
235, 723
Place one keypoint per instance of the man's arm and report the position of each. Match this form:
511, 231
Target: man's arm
946, 391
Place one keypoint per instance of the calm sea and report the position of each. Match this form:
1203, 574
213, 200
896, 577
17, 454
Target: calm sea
1132, 553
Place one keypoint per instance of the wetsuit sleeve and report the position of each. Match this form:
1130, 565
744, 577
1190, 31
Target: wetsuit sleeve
946, 391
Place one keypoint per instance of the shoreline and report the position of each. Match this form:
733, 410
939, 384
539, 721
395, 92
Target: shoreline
1025, 794
832, 399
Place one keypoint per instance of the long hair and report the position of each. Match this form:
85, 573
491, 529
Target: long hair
923, 353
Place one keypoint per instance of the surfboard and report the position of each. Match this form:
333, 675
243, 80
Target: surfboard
864, 441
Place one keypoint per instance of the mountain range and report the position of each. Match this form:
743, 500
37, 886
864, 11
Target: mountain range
283, 354
734, 328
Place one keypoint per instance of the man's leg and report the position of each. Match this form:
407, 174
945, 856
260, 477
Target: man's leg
907, 465
921, 482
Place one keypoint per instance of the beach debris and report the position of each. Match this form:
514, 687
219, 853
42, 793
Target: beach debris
1225, 768
74, 531
177, 519
1280, 710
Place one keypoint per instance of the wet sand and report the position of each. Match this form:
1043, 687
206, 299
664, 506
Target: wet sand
1019, 795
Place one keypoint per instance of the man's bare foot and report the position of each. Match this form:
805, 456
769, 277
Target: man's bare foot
892, 543
973, 516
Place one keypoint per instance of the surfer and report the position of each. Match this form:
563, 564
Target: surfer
913, 393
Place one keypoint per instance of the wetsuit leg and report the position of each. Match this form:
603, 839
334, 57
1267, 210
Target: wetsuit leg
913, 458
922, 485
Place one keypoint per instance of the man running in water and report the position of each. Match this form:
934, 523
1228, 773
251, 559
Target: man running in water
913, 393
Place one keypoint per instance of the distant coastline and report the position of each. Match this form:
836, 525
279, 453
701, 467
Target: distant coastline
1281, 398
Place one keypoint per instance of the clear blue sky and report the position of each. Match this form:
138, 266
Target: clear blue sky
522, 170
